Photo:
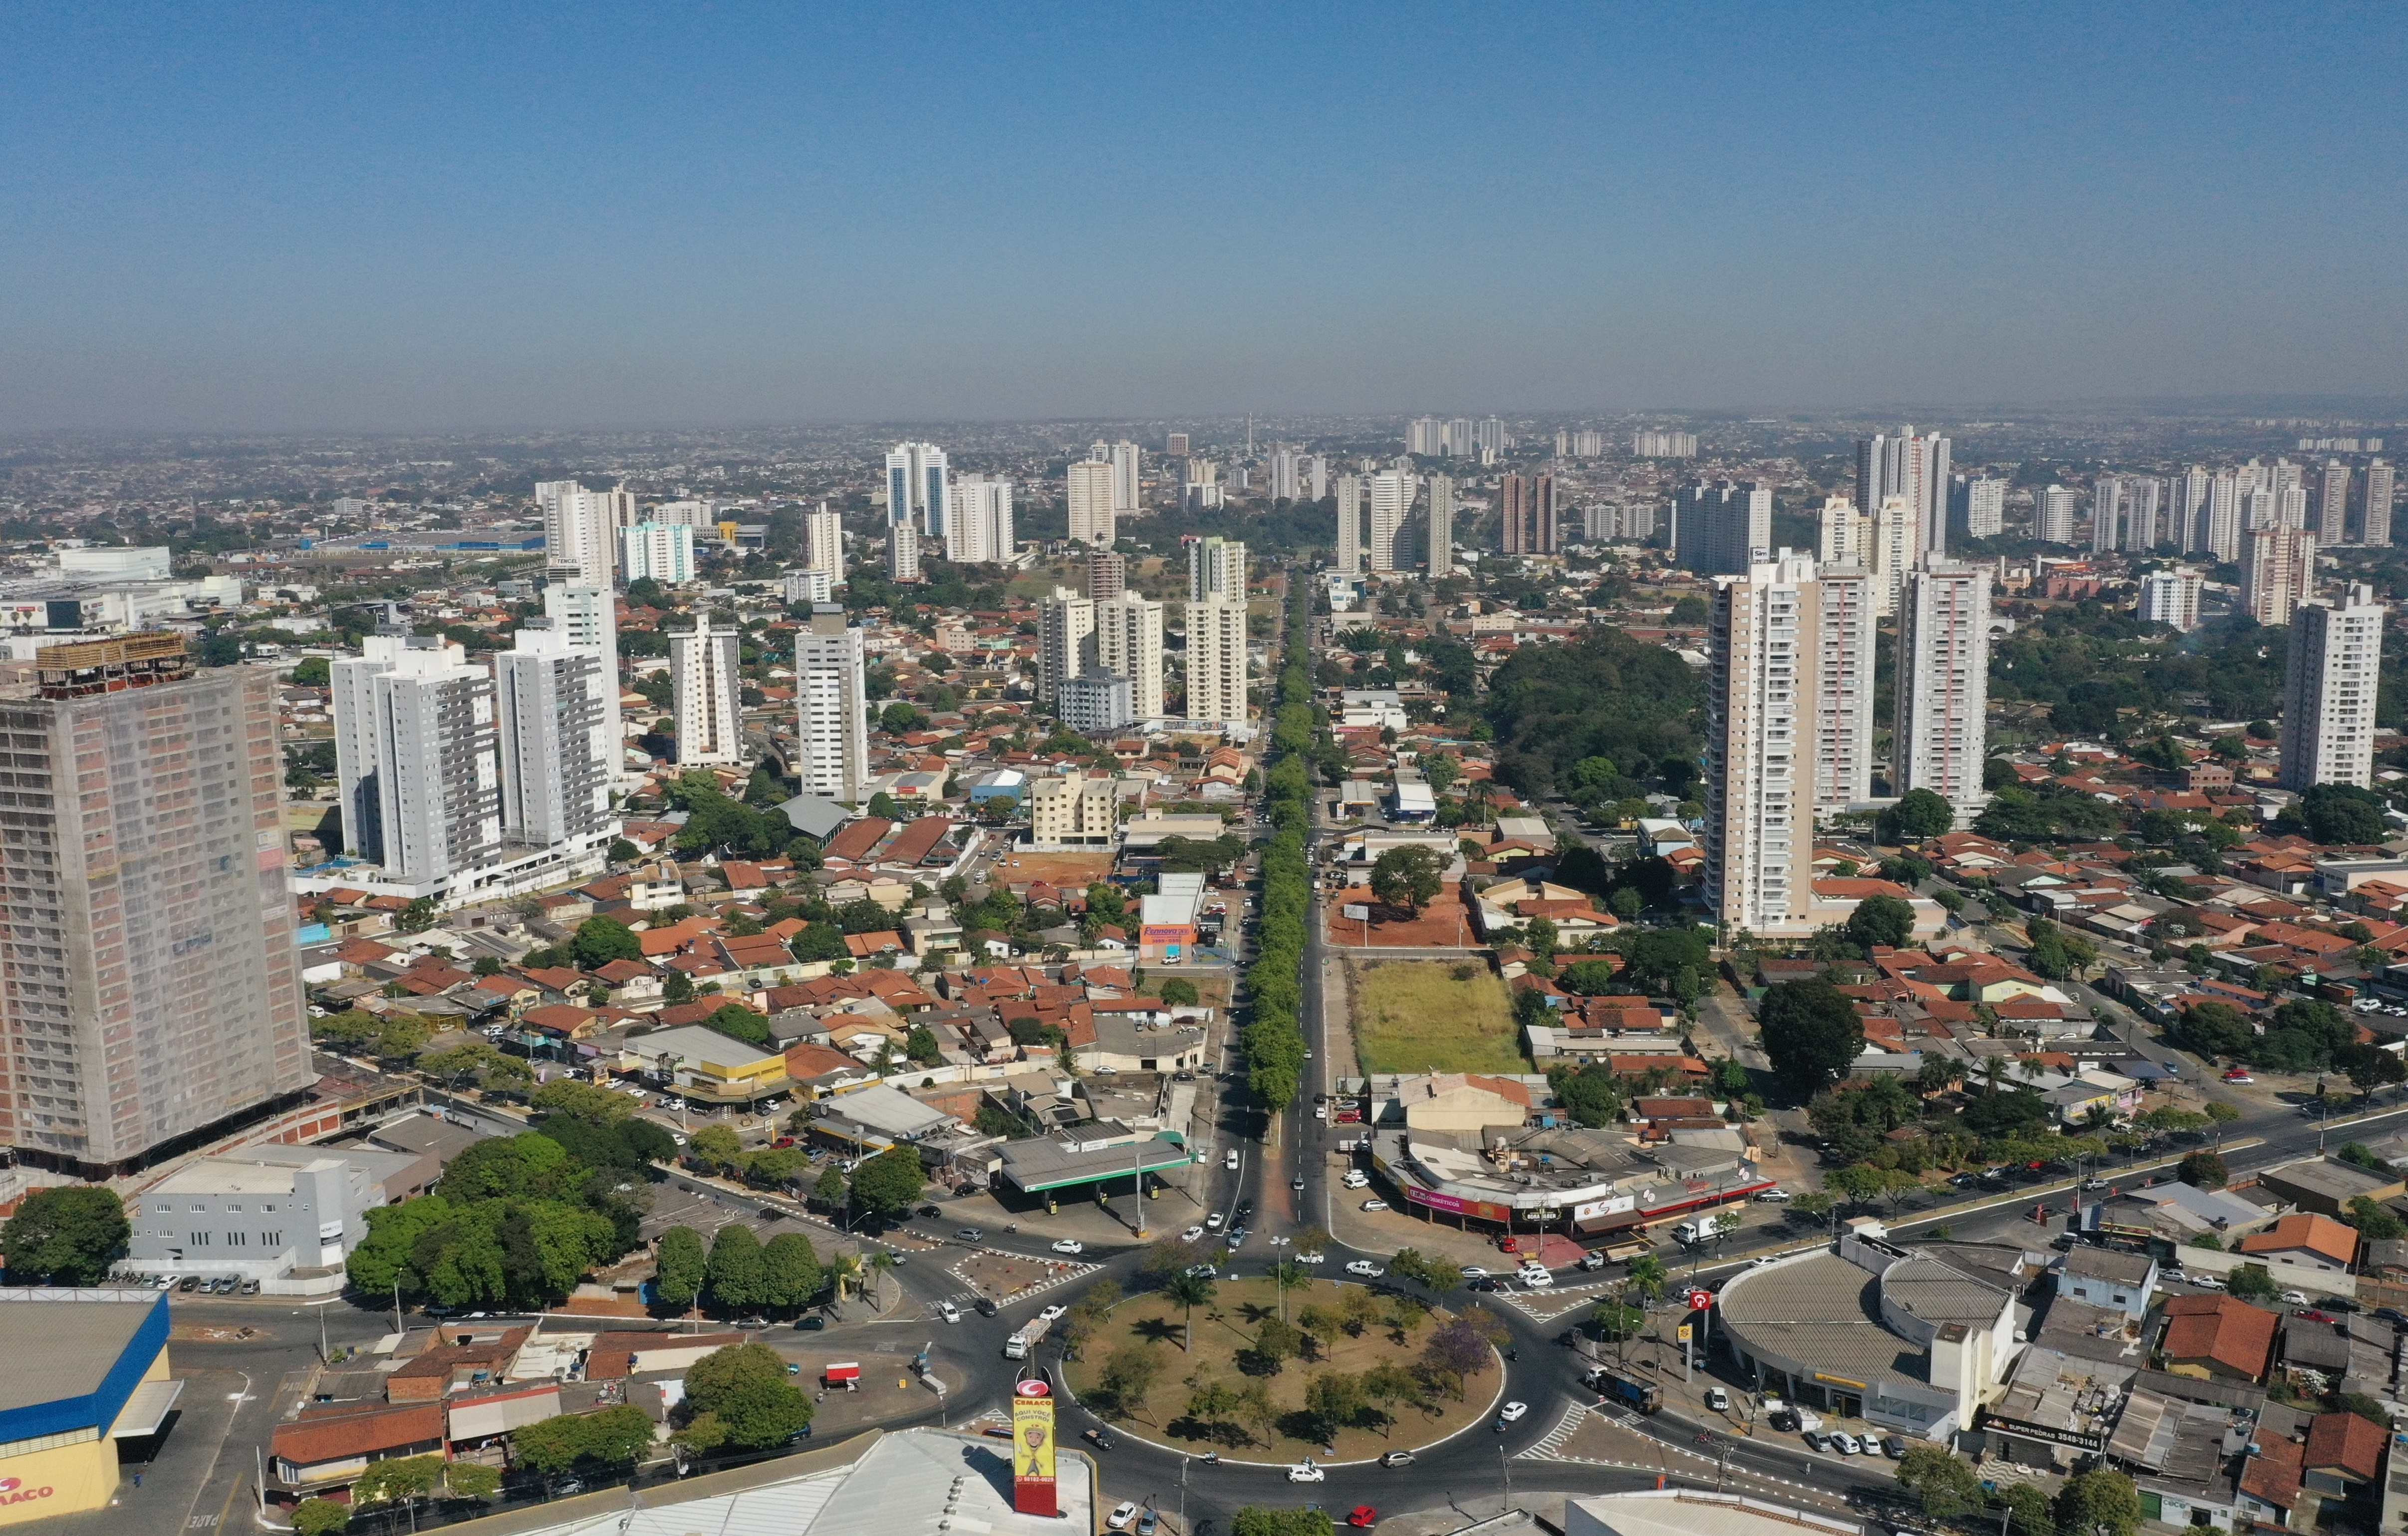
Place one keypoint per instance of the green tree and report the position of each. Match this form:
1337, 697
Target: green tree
1408, 877
1883, 920
2251, 1283
599, 941
889, 1183
1258, 1520
831, 1189
746, 1395
1189, 1291
1334, 1400
1948, 1487
680, 1267
404, 1480
2100, 1502
737, 1275
1178, 992
2028, 1509
472, 1480
417, 917
65, 1235
790, 1275
321, 1518
716, 1147
2203, 1171
1811, 1033
587, 1101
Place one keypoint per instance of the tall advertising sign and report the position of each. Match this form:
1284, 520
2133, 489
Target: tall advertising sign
1032, 1449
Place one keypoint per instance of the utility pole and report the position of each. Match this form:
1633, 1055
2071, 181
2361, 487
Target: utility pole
397, 1306
1506, 1467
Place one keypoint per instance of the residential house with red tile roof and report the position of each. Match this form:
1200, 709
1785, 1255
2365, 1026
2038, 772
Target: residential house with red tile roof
2319, 1242
2217, 1337
2343, 1454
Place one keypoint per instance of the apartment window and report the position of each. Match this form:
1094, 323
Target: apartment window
271, 1240
200, 1240
238, 1240
268, 1206
234, 1206
198, 1206
160, 1210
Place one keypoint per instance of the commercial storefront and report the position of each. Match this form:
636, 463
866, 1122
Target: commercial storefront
87, 1369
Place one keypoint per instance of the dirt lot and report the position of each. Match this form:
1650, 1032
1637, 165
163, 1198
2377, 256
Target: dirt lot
1444, 923
1417, 1016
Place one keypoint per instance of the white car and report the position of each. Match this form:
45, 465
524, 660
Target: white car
1321, 1112
1069, 1245
1718, 1399
1474, 1272
2296, 1298
1123, 1517
1194, 1234
1357, 1180
1374, 1205
1231, 1160
1305, 1471
1364, 1268
1050, 1313
1311, 1259
1512, 1412
1534, 1276
1212, 1222
1845, 1443
949, 1311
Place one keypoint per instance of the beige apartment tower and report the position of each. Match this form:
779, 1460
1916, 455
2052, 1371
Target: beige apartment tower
151, 989
2331, 672
1216, 663
1939, 737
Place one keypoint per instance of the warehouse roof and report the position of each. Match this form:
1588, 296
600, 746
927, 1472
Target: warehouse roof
68, 1349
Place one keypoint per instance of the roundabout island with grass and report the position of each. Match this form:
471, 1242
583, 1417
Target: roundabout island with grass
1324, 1369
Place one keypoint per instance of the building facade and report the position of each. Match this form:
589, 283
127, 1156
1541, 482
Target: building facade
556, 717
1762, 711
1216, 663
1128, 645
2329, 686
414, 756
2277, 572
2171, 597
1915, 466
1442, 527
152, 987
1392, 502
916, 482
1938, 741
1071, 810
661, 551
1090, 493
706, 684
1216, 570
1350, 525
831, 708
978, 521
1066, 641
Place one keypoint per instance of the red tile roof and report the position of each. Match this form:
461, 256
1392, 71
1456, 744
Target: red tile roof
2221, 1330
2345, 1444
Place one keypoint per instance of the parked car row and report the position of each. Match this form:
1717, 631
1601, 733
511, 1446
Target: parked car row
222, 1284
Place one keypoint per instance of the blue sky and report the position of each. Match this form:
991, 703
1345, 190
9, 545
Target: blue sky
428, 216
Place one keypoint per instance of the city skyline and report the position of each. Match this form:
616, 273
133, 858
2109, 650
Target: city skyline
342, 256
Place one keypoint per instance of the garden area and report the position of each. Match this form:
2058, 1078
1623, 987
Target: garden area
1233, 1366
1432, 1016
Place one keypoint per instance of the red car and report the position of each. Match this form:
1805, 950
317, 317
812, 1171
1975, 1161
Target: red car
1363, 1518
2313, 1316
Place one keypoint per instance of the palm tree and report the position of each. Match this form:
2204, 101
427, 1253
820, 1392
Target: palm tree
1993, 1068
1647, 1276
845, 1269
1188, 1290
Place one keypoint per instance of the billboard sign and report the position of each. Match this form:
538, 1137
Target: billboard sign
1032, 1450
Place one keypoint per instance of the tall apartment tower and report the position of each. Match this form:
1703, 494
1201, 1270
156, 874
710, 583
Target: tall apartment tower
2186, 507
1724, 528
556, 716
977, 520
1513, 515
581, 529
902, 551
1320, 475
1527, 514
2171, 598
1442, 527
1174, 445
1986, 507
1893, 550
2143, 524
589, 617
1066, 641
707, 684
831, 708
2055, 509
2106, 502
1216, 662
824, 543
1913, 466
1762, 707
2329, 685
1216, 570
2220, 525
1846, 535
1938, 740
2374, 503
659, 551
1127, 462
1091, 503
1392, 500
2277, 572
1107, 575
1287, 476
1846, 625
1128, 644
1422, 436
1350, 525
414, 756
153, 988
916, 486
2332, 504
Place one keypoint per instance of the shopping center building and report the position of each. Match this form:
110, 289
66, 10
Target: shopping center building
86, 1369
1581, 1181
1907, 1341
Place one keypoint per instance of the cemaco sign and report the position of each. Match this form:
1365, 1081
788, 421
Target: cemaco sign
13, 1492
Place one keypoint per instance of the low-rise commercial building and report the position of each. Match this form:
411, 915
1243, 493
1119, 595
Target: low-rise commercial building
86, 1369
265, 1212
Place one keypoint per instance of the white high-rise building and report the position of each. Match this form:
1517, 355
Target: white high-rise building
660, 552
1442, 527
1350, 525
707, 683
2171, 597
1459, 438
824, 543
1320, 477
831, 708
1845, 629
1913, 466
2374, 505
1847, 534
2143, 528
2187, 509
1938, 740
2222, 535
1392, 500
1091, 504
1893, 550
1128, 461
580, 527
1287, 475
1762, 681
2332, 504
1128, 644
1720, 528
2055, 511
2106, 504
589, 616
414, 756
1491, 438
1986, 507
902, 551
2277, 572
2291, 505
2329, 684
978, 524
556, 709
690, 513
1423, 437
1216, 570
804, 586
1066, 641
1216, 663
915, 486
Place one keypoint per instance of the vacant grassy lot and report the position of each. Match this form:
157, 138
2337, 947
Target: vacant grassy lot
1417, 1016
1224, 1356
